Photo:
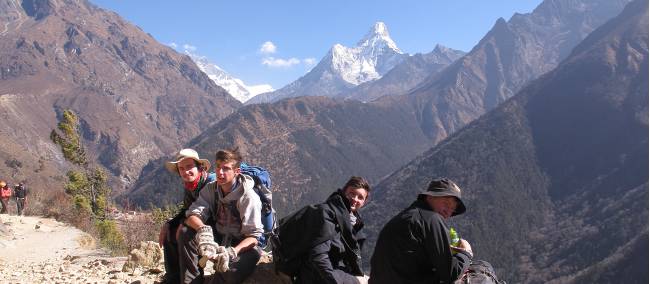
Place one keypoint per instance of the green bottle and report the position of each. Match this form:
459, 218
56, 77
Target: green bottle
453, 237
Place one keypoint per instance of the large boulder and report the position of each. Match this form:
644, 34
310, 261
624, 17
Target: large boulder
148, 255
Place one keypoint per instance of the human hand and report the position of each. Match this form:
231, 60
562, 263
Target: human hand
221, 261
205, 242
363, 279
232, 253
465, 247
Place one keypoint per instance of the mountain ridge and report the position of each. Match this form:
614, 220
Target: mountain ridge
343, 68
131, 93
234, 86
566, 190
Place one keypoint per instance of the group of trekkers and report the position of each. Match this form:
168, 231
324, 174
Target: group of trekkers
221, 221
18, 193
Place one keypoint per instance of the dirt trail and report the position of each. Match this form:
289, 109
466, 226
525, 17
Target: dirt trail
42, 250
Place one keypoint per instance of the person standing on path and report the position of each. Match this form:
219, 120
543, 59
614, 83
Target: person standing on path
5, 194
20, 192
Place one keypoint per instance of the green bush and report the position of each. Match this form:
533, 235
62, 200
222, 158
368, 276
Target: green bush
110, 236
82, 204
77, 183
160, 215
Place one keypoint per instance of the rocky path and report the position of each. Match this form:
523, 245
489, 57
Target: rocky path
42, 250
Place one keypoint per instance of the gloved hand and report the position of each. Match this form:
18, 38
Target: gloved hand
223, 259
205, 242
363, 279
232, 253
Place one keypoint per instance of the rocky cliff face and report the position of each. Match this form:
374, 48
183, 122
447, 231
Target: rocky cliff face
510, 55
136, 98
559, 173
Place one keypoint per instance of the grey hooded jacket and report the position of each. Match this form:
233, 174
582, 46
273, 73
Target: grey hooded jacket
237, 214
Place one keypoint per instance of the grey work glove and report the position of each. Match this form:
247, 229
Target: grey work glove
223, 259
205, 242
363, 279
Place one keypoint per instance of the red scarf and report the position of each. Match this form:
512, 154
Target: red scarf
191, 186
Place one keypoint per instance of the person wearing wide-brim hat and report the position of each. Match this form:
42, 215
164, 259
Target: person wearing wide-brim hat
415, 247
193, 171
172, 166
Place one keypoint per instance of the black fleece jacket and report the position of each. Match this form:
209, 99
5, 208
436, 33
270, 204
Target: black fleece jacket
338, 258
413, 247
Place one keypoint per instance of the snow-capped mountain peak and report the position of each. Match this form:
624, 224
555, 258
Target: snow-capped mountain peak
344, 67
375, 54
235, 87
378, 36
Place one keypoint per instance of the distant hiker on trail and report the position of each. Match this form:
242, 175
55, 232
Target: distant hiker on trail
5, 194
20, 192
236, 209
193, 171
414, 246
337, 258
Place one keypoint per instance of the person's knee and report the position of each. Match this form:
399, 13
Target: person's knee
186, 234
246, 263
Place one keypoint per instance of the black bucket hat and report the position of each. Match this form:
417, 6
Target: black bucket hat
446, 187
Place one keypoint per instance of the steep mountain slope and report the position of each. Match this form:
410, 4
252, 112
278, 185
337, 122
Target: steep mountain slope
310, 145
406, 75
555, 179
407, 140
510, 55
136, 98
344, 68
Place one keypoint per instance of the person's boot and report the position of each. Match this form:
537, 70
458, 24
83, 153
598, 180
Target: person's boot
170, 279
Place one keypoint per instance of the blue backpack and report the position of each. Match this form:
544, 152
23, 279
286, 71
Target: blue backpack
262, 187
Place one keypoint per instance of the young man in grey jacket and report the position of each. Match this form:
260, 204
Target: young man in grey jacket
236, 209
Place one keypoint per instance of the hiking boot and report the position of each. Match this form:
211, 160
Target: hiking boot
169, 279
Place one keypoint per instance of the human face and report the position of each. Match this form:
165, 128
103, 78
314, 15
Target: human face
443, 205
187, 170
356, 196
226, 173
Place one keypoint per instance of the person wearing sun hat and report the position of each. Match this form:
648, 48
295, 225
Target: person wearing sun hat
414, 246
193, 171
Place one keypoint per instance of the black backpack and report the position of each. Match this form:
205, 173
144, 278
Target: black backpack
294, 236
479, 272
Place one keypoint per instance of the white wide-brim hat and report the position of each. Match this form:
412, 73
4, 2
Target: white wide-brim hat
184, 154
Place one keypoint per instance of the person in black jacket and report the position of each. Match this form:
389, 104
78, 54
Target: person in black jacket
414, 246
193, 171
20, 192
338, 258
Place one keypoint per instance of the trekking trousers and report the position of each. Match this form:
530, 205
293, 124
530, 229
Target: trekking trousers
170, 247
5, 205
189, 257
20, 205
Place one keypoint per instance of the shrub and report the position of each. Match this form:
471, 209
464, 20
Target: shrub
111, 237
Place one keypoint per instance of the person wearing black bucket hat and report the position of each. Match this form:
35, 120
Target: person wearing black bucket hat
414, 246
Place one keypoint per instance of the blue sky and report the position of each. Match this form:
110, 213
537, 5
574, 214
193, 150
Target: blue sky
232, 33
